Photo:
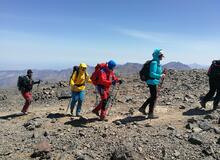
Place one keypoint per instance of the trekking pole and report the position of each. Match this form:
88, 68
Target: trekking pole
161, 83
68, 105
113, 99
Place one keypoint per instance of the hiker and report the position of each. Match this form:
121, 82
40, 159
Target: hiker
103, 78
214, 85
25, 85
153, 80
78, 80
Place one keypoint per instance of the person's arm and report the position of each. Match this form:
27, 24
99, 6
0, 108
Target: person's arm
72, 79
153, 70
88, 80
36, 82
103, 79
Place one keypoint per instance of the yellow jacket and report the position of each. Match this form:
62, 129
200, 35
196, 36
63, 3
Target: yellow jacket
77, 82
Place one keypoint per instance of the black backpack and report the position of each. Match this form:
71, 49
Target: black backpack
214, 70
20, 83
145, 71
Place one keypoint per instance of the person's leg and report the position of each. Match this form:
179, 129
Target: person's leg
73, 102
80, 101
103, 109
153, 98
142, 109
28, 98
105, 98
210, 94
217, 97
97, 108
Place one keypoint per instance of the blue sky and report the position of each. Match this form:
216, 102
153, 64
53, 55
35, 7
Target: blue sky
55, 34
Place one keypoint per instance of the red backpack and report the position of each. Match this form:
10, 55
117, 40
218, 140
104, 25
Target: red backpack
95, 74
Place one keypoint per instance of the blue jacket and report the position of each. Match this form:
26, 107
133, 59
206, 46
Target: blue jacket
155, 69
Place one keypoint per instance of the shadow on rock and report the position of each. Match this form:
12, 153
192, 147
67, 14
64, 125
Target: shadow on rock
11, 116
56, 115
196, 111
130, 119
81, 122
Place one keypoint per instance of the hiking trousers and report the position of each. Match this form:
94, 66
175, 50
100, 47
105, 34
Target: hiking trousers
28, 98
104, 94
151, 101
214, 85
77, 97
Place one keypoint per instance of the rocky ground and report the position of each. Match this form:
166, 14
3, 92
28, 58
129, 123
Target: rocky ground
183, 131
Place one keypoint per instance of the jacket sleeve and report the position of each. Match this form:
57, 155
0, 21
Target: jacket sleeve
114, 77
103, 79
153, 70
72, 79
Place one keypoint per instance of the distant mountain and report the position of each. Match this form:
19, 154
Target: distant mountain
128, 68
176, 66
198, 66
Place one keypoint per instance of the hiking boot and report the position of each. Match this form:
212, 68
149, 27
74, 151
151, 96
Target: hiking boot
103, 119
24, 113
95, 112
142, 110
203, 104
78, 115
152, 116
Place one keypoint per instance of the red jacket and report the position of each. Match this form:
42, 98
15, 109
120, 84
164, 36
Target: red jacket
106, 76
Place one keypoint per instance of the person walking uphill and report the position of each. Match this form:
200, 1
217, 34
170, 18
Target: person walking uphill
214, 84
25, 85
155, 74
78, 80
103, 78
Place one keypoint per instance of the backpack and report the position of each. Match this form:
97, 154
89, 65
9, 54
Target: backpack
95, 74
20, 83
214, 69
76, 69
145, 71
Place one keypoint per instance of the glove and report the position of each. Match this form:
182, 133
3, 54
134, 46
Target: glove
113, 82
120, 81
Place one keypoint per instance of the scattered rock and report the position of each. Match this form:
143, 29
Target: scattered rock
176, 153
218, 142
42, 150
3, 97
217, 130
182, 107
197, 130
195, 139
191, 125
171, 128
204, 126
123, 153
33, 123
208, 150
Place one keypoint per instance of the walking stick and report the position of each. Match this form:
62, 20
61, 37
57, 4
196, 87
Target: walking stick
68, 105
113, 99
161, 83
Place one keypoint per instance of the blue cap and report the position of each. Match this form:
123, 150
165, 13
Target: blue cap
111, 64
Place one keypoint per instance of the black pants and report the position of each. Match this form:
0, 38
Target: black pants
214, 85
152, 100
